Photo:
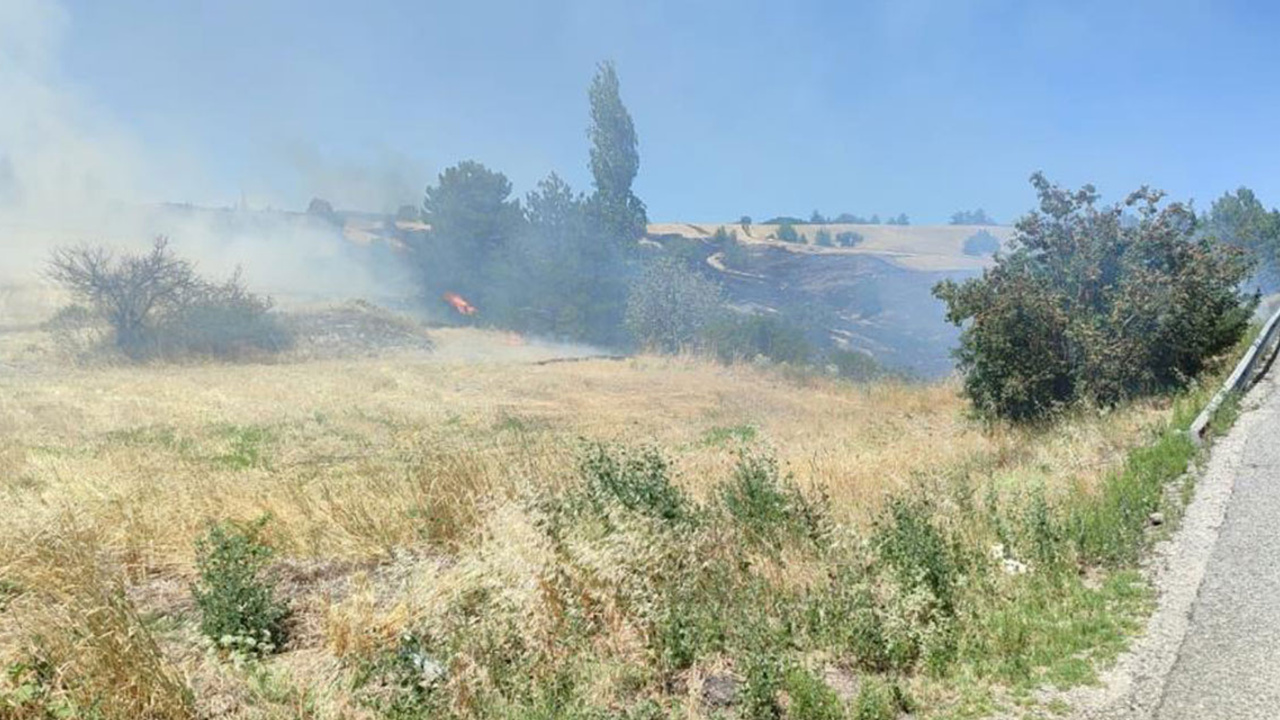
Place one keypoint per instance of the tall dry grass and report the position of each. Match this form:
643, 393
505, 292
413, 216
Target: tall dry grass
73, 634
393, 479
355, 458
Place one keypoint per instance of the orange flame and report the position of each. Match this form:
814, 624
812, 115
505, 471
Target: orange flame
459, 303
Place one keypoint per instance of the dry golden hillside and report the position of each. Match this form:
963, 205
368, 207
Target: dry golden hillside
926, 248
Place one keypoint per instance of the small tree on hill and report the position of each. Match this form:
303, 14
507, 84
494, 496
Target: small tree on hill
787, 232
1085, 308
971, 217
848, 238
981, 243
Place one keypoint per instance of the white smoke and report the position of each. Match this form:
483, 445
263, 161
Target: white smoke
69, 173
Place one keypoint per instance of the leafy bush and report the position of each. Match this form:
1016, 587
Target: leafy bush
224, 321
880, 700
849, 238
1087, 308
811, 698
822, 238
745, 337
760, 691
237, 603
636, 480
736, 256
981, 243
765, 505
669, 305
787, 233
909, 541
854, 365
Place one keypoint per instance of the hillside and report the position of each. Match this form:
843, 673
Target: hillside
875, 297
922, 248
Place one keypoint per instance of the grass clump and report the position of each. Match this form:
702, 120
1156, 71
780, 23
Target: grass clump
880, 700
637, 480
238, 608
810, 697
765, 505
82, 648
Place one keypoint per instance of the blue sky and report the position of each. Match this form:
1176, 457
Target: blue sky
742, 106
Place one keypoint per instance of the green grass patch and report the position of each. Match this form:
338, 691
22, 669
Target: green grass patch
246, 446
722, 435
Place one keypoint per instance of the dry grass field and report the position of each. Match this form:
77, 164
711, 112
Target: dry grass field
394, 479
924, 248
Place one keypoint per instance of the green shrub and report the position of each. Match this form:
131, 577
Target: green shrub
822, 238
1088, 308
787, 233
759, 698
638, 480
746, 337
723, 237
849, 238
811, 698
908, 540
237, 603
854, 365
224, 321
981, 243
880, 700
765, 505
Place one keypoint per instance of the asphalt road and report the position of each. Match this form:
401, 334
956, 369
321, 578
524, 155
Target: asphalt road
1228, 663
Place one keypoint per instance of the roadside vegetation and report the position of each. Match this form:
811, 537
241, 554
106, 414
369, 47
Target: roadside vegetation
1087, 308
433, 538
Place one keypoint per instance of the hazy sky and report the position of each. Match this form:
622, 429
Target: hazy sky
742, 106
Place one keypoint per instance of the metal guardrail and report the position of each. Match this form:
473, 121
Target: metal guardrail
1255, 362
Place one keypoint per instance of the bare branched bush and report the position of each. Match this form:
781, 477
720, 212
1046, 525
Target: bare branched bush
156, 304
